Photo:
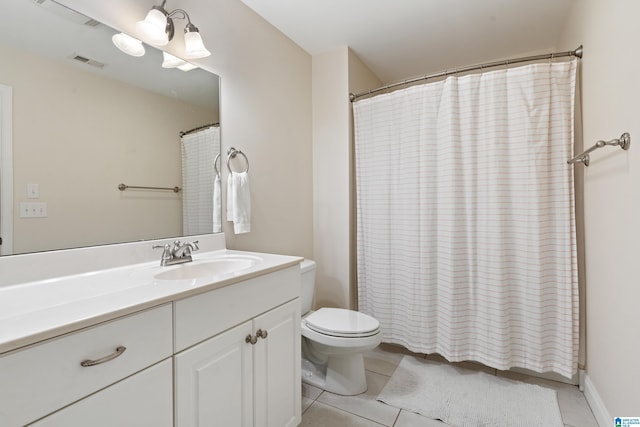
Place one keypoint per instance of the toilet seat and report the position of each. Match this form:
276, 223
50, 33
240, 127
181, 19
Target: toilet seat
338, 322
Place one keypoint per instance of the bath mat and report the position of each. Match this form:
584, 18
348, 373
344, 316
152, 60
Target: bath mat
466, 398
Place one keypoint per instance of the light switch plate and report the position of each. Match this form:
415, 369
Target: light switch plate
33, 191
33, 210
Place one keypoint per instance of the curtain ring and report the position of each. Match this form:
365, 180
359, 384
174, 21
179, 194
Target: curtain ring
232, 153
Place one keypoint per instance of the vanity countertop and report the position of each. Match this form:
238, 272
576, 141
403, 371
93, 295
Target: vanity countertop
43, 309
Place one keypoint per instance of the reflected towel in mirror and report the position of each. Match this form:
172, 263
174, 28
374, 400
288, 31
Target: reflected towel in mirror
217, 199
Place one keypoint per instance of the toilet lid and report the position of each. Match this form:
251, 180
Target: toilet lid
342, 323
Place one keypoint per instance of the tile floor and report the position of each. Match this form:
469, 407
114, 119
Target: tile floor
323, 409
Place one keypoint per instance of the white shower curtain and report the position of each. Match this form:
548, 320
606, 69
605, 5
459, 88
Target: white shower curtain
199, 150
466, 242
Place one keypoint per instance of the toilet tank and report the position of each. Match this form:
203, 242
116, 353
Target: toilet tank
307, 284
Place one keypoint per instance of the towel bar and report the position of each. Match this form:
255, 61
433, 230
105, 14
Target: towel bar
624, 142
123, 187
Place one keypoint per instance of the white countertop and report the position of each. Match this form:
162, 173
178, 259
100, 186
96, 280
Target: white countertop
43, 309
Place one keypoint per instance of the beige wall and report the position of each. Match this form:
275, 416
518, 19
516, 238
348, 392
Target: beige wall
361, 79
79, 155
265, 110
335, 74
610, 95
331, 191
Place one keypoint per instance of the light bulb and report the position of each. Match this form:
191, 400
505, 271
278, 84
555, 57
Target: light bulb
170, 61
154, 27
193, 45
128, 44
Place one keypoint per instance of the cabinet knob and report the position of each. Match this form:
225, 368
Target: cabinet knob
261, 333
251, 339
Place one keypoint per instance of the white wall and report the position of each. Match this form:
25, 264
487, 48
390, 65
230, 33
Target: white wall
265, 110
610, 97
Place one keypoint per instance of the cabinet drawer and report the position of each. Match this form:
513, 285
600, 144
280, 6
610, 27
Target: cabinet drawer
142, 400
202, 316
47, 376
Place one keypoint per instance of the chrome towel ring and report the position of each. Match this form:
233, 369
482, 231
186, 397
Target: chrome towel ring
215, 164
232, 153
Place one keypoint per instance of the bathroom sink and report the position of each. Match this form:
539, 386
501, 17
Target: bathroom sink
204, 269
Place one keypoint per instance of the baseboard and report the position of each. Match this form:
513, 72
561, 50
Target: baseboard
598, 408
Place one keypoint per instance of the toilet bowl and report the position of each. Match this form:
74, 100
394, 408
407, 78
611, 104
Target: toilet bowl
333, 342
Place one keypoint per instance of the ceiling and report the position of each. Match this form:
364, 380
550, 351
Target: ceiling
71, 35
398, 39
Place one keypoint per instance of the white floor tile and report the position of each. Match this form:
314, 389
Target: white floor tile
310, 391
323, 409
321, 415
382, 362
365, 404
573, 405
306, 403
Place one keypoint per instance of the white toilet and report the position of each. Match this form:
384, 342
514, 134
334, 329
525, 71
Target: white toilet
333, 341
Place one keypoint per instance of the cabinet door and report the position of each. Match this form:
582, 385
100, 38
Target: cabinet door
214, 381
142, 400
277, 384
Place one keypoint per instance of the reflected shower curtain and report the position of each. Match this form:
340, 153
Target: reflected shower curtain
199, 149
466, 242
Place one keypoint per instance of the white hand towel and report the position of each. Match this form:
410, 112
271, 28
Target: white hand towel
239, 202
217, 199
230, 203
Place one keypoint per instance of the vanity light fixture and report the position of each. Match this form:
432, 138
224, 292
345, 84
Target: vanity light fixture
128, 44
159, 28
187, 66
170, 61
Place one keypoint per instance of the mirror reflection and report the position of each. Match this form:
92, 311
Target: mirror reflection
86, 118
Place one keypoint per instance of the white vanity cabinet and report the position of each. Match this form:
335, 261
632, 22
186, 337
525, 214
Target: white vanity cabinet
50, 375
224, 354
237, 357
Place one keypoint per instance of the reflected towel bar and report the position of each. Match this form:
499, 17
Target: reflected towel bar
123, 187
624, 142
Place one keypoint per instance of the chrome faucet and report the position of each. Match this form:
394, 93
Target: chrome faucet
179, 253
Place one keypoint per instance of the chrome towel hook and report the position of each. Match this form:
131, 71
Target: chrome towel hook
232, 153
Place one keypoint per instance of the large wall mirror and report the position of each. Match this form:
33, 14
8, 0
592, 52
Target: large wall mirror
86, 118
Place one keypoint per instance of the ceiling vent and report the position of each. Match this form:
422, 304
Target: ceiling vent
87, 61
66, 13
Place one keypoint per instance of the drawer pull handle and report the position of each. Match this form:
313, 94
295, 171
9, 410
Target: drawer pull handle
112, 356
262, 333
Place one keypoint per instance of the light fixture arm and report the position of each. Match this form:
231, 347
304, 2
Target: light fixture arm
185, 15
159, 27
172, 15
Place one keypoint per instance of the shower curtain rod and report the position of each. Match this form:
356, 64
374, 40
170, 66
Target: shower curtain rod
577, 53
187, 132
